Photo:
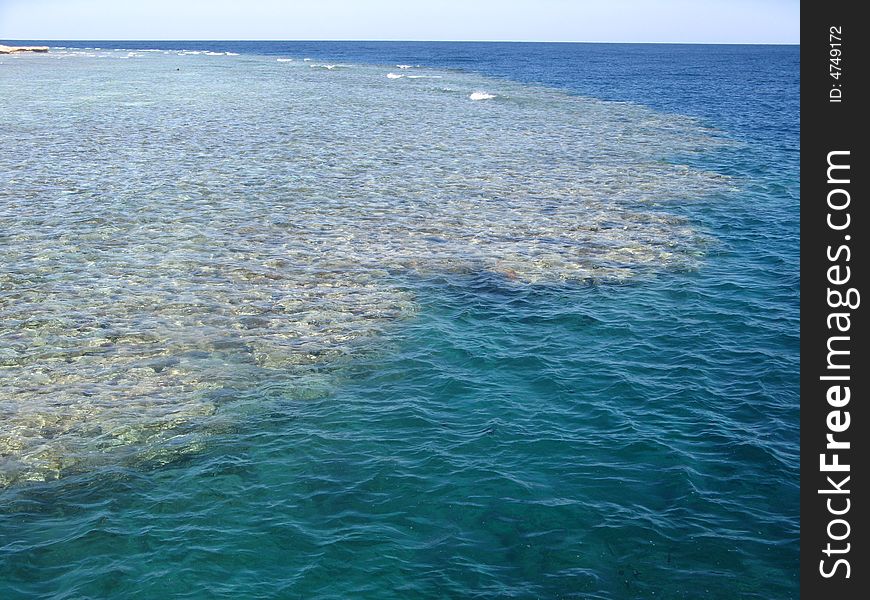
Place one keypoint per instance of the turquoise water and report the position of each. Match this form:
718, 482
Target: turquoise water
273, 329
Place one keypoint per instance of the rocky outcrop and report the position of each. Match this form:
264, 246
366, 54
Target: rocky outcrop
14, 49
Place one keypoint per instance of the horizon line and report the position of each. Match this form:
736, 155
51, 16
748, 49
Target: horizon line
402, 41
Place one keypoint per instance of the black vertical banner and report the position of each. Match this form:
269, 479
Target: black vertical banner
834, 264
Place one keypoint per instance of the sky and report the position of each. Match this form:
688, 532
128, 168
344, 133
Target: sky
682, 21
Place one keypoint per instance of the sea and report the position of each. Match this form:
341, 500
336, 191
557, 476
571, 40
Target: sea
399, 320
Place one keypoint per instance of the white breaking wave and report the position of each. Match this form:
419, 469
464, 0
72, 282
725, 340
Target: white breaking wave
404, 66
400, 76
481, 96
285, 60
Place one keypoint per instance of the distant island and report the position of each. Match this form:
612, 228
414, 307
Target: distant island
14, 49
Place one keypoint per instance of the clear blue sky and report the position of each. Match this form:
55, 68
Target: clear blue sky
710, 21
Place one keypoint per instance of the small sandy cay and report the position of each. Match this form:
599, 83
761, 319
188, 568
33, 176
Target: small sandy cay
16, 49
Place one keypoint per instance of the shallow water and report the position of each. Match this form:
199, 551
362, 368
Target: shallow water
447, 335
199, 225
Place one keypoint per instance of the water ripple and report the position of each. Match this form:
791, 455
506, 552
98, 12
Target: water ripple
179, 233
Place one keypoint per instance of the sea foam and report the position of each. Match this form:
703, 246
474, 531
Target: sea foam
481, 96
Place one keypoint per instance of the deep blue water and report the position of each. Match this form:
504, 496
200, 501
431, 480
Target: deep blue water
623, 440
